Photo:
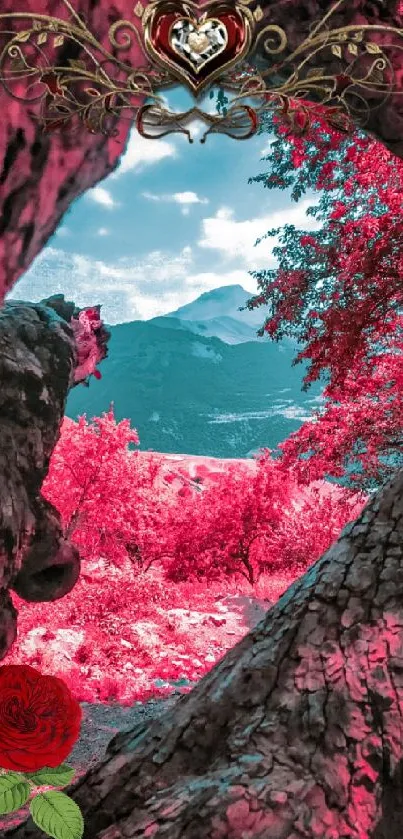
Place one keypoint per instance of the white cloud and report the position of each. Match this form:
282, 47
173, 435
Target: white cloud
153, 284
151, 196
188, 198
196, 129
224, 213
184, 198
128, 288
63, 232
185, 211
236, 239
141, 153
102, 196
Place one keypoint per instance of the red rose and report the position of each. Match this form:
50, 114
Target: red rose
39, 719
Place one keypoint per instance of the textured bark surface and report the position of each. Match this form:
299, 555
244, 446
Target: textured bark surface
41, 175
37, 364
297, 732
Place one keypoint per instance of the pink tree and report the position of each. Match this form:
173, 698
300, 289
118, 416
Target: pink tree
113, 501
338, 290
251, 521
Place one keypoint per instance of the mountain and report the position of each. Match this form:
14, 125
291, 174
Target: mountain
216, 313
220, 302
227, 329
191, 394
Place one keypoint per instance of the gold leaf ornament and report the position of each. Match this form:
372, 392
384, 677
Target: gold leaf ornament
17, 65
315, 73
376, 77
77, 64
139, 10
372, 48
22, 37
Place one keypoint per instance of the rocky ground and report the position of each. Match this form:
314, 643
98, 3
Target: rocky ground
102, 721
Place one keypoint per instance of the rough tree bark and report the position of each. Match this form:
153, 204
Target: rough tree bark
297, 732
37, 364
41, 174
45, 349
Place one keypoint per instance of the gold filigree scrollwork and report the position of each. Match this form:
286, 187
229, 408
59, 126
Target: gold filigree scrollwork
154, 121
348, 71
99, 88
365, 71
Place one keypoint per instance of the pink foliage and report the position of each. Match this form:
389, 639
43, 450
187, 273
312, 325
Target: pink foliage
91, 340
106, 495
246, 523
143, 615
215, 532
309, 526
117, 637
347, 277
239, 521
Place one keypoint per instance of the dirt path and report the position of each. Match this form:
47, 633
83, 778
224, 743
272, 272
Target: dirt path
100, 723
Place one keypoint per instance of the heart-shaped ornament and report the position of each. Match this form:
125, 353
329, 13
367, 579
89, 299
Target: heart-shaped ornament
197, 43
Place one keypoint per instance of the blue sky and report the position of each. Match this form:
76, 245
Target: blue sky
175, 220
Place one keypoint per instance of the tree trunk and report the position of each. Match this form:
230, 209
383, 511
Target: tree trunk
37, 365
42, 174
297, 732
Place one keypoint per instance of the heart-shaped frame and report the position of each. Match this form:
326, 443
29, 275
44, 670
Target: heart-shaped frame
160, 20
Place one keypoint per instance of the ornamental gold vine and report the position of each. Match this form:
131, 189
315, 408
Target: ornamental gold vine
102, 87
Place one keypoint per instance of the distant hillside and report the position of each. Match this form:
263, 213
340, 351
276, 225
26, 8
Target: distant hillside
220, 302
197, 395
227, 329
216, 313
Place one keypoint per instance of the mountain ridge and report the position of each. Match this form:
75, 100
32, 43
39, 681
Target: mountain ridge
194, 394
216, 313
224, 300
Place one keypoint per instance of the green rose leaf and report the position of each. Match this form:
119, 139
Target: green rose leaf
57, 815
56, 777
14, 792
